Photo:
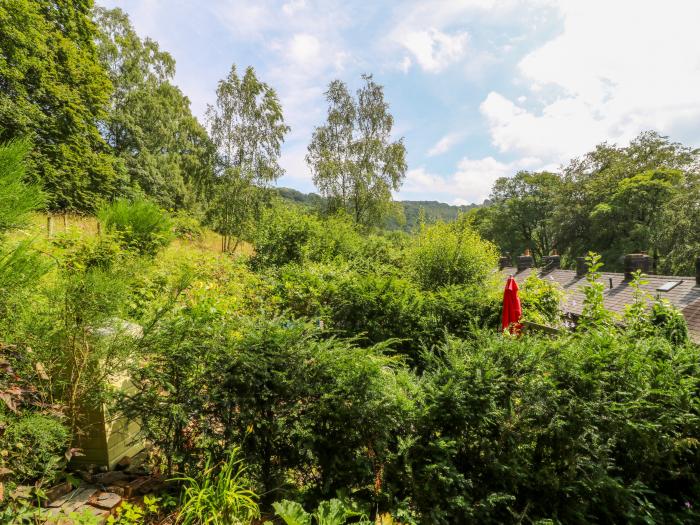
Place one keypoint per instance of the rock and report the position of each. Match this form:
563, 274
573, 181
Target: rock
78, 498
106, 501
116, 489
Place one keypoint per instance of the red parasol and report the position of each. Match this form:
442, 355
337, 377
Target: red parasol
512, 311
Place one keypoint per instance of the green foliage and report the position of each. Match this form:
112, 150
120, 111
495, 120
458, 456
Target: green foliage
669, 322
613, 200
221, 495
17, 199
54, 93
34, 446
186, 226
247, 128
594, 313
149, 125
133, 514
445, 254
140, 225
331, 512
354, 163
589, 428
520, 214
283, 236
541, 301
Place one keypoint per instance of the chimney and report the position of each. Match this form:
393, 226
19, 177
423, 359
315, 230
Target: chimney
551, 262
524, 262
697, 271
636, 261
581, 266
504, 262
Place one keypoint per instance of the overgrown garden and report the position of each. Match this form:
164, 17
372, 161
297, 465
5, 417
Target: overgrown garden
332, 371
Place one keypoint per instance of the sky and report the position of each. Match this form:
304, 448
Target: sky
479, 89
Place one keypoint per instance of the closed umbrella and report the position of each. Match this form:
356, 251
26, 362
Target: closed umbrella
512, 311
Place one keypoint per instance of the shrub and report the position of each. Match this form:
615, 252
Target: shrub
35, 446
276, 388
454, 253
17, 199
376, 308
669, 322
593, 427
186, 226
140, 224
541, 301
282, 236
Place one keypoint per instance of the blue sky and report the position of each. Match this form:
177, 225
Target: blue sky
478, 88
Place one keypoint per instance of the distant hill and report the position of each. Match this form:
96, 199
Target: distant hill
434, 210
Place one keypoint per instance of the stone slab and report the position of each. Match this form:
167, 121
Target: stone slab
106, 501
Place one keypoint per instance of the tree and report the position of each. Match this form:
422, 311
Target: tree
166, 151
247, 128
678, 237
354, 162
521, 211
54, 91
611, 199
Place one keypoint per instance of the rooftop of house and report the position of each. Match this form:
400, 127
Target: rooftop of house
681, 291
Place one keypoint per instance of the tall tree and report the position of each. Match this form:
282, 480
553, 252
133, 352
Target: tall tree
247, 127
520, 215
355, 163
54, 91
612, 198
166, 151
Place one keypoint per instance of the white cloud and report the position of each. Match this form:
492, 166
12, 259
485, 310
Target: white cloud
444, 144
304, 49
293, 6
617, 68
433, 49
405, 64
471, 182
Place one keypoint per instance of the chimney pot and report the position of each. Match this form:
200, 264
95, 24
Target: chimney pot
636, 261
551, 262
581, 266
525, 261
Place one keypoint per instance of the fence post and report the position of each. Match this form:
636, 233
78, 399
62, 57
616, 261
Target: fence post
49, 225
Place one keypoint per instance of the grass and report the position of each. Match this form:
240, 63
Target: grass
88, 226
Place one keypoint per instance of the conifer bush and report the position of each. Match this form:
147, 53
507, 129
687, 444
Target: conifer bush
451, 253
141, 225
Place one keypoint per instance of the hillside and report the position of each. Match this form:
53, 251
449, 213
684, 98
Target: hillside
434, 211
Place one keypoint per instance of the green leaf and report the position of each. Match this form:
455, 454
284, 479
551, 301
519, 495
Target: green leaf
292, 513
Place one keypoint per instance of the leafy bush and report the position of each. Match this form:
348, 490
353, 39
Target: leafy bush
454, 253
593, 427
35, 447
276, 388
669, 322
541, 301
186, 226
282, 236
141, 225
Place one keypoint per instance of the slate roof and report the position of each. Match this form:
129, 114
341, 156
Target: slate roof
618, 292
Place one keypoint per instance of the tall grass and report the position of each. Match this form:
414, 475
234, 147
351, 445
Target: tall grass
221, 495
